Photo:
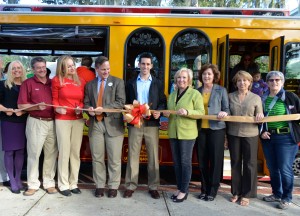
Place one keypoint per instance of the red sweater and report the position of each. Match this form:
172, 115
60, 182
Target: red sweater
85, 74
69, 94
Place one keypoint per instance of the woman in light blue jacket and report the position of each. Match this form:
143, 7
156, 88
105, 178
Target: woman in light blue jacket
211, 135
182, 129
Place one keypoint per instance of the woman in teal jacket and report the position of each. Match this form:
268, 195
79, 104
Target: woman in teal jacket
182, 129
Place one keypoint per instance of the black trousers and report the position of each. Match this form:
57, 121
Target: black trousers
243, 156
210, 146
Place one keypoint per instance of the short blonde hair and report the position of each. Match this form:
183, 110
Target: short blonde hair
62, 68
189, 73
9, 82
243, 74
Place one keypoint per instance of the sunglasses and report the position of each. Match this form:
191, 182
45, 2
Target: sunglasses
272, 80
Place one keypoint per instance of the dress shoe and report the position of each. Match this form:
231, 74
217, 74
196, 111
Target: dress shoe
154, 194
180, 200
209, 198
128, 193
15, 191
6, 183
66, 193
112, 193
99, 192
51, 190
29, 192
202, 196
76, 191
173, 196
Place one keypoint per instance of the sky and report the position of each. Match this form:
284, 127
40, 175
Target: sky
292, 4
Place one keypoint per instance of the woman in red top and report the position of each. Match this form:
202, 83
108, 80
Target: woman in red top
68, 92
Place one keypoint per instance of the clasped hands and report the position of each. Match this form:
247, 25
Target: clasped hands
63, 110
10, 111
97, 111
181, 112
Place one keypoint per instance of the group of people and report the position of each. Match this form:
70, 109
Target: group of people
48, 114
279, 139
33, 112
259, 86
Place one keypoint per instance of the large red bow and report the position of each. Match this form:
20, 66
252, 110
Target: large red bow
136, 113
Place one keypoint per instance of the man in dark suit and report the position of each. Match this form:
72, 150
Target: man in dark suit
145, 89
106, 129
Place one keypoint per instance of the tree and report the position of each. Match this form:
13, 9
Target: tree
11, 1
186, 3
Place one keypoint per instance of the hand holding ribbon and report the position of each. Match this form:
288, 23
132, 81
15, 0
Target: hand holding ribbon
61, 110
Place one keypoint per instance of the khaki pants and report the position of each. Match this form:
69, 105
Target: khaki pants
41, 135
69, 138
135, 136
99, 142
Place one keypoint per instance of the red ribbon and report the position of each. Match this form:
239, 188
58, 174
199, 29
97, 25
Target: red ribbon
136, 113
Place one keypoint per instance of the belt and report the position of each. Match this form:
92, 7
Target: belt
284, 130
43, 119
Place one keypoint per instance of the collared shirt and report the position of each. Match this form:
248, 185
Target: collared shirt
99, 83
143, 87
33, 91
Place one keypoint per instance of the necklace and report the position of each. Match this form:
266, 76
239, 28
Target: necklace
207, 89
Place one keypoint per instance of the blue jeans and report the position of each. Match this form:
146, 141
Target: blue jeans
280, 152
182, 151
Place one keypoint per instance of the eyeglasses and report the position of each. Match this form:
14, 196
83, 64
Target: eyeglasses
272, 80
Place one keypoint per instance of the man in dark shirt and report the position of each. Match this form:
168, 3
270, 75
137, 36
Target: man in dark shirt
139, 89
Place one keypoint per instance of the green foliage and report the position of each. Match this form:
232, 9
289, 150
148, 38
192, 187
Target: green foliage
25, 60
263, 63
234, 60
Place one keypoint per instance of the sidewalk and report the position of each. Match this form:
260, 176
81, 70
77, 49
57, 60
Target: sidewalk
141, 204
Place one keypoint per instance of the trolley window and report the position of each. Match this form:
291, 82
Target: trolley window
189, 48
140, 41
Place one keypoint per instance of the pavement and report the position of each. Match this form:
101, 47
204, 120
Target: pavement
140, 204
